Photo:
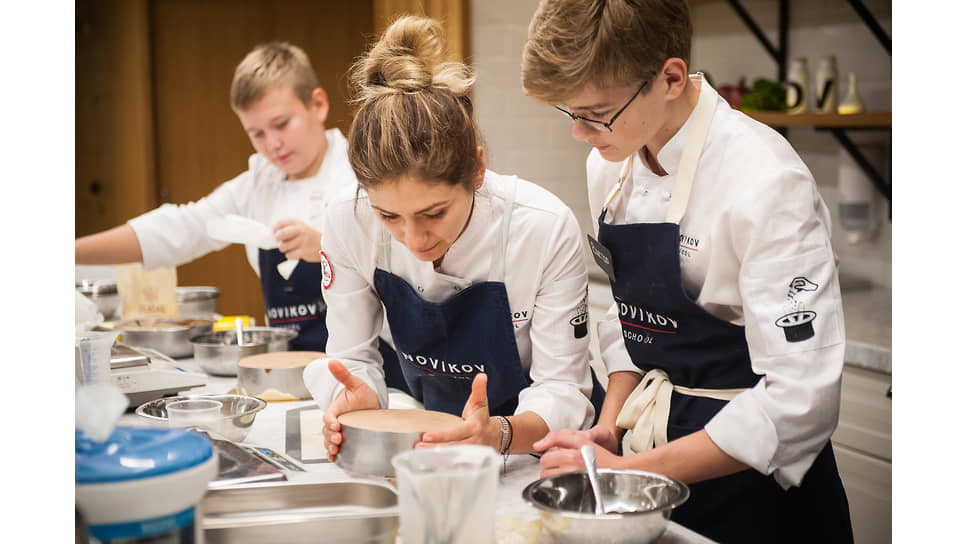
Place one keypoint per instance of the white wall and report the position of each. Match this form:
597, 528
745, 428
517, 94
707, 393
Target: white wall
522, 137
535, 141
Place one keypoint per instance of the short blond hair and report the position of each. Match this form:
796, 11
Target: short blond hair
609, 43
269, 66
415, 115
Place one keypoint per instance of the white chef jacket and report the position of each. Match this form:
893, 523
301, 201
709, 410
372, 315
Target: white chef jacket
546, 281
754, 223
172, 234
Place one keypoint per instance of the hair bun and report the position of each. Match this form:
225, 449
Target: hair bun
410, 57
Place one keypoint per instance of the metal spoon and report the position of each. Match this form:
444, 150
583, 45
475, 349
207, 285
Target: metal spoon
238, 330
588, 454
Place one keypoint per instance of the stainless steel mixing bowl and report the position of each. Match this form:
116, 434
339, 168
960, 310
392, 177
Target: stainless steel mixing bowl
218, 352
197, 300
169, 335
637, 505
237, 415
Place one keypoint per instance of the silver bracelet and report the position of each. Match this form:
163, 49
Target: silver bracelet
505, 435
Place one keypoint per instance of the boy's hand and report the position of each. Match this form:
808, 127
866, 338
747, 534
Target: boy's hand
563, 450
298, 240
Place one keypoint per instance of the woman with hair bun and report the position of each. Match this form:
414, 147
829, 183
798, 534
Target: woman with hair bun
480, 276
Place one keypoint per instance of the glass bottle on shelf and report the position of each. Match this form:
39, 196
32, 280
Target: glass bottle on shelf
826, 80
852, 102
797, 86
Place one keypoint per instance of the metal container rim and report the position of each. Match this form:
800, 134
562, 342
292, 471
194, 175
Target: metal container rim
193, 293
683, 495
142, 410
202, 339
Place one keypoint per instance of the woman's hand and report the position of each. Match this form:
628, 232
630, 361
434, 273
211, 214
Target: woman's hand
562, 450
298, 240
478, 426
356, 395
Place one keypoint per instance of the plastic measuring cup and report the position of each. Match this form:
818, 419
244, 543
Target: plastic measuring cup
92, 357
447, 494
202, 413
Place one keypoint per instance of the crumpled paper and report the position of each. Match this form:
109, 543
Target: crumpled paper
98, 408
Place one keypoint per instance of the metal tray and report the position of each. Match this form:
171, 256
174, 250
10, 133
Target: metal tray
332, 512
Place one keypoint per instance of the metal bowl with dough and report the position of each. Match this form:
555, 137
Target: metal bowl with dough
276, 376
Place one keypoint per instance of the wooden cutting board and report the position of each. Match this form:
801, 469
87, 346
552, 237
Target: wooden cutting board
399, 421
281, 359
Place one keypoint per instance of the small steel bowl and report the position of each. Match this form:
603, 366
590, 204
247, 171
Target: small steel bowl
238, 413
169, 335
637, 505
218, 352
197, 300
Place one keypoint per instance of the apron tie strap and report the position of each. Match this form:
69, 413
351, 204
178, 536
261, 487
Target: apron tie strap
646, 410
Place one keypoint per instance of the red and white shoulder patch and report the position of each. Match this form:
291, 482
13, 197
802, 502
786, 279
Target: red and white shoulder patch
327, 270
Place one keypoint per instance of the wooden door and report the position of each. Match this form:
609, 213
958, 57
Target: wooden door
114, 133
195, 46
153, 121
454, 14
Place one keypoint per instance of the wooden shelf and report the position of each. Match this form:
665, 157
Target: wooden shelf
871, 119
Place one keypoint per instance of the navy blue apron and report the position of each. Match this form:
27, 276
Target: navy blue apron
441, 346
296, 303
664, 328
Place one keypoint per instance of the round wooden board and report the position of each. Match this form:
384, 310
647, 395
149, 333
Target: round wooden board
399, 421
281, 359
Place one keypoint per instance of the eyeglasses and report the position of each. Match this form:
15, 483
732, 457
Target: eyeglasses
602, 126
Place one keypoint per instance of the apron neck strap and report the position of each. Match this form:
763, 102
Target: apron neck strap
691, 151
688, 161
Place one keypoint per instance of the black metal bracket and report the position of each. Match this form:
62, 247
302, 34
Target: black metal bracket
872, 174
780, 54
876, 178
871, 23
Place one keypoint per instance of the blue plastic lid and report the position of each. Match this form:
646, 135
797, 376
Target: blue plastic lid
132, 453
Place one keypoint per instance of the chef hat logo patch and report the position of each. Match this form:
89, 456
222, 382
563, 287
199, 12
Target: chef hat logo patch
798, 325
580, 321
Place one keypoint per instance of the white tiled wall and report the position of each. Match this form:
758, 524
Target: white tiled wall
522, 137
534, 141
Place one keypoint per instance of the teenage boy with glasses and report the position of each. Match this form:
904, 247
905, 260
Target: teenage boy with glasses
726, 343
